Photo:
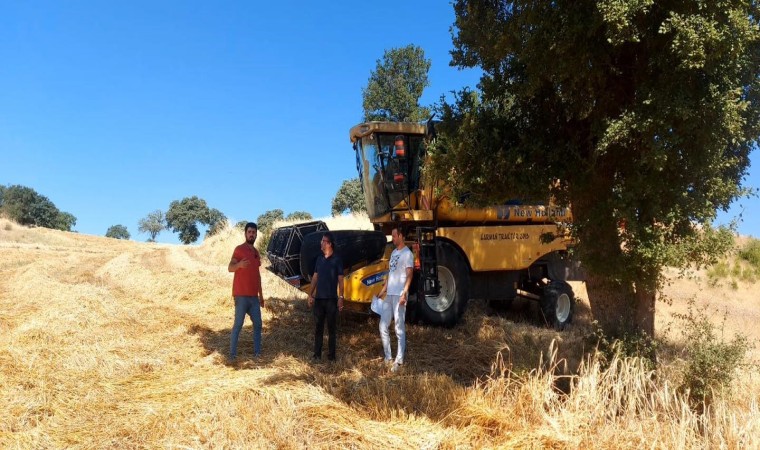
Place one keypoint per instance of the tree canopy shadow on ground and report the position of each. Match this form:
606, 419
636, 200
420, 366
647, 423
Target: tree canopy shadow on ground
436, 357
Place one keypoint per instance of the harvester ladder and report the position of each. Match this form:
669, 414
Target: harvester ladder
428, 261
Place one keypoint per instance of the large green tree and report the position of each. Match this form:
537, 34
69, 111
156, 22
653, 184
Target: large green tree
395, 86
349, 197
639, 114
27, 207
152, 224
184, 216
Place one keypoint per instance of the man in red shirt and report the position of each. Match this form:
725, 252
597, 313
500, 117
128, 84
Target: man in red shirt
246, 289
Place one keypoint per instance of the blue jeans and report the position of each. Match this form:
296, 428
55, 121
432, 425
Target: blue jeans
392, 309
246, 305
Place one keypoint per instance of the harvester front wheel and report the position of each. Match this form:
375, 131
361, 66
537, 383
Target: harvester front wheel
447, 307
558, 304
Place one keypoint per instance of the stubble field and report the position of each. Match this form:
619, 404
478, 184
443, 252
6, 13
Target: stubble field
118, 344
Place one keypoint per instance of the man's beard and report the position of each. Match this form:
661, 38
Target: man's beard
249, 241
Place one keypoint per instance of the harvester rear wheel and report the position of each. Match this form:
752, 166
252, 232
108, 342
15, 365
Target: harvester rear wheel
447, 307
558, 304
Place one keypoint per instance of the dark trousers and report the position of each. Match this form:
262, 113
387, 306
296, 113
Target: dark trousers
325, 309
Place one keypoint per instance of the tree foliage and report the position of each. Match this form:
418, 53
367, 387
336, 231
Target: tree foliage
299, 215
117, 232
349, 197
395, 86
216, 222
636, 113
152, 224
266, 221
183, 217
27, 207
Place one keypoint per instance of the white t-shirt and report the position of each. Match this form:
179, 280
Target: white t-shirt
400, 261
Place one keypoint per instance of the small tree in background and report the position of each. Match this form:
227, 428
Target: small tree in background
299, 215
117, 232
349, 197
266, 221
184, 216
27, 207
395, 86
152, 224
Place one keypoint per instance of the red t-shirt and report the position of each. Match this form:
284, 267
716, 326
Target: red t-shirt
247, 281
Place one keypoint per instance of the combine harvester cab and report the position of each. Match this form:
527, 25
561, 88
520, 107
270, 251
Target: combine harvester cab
496, 253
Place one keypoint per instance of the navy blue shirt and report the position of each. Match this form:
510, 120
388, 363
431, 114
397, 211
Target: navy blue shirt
328, 270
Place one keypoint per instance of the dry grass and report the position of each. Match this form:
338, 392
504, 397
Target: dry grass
114, 344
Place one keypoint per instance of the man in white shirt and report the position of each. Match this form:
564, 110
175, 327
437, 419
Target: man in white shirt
400, 272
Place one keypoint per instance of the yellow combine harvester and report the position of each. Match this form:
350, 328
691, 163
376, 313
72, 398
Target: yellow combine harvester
495, 253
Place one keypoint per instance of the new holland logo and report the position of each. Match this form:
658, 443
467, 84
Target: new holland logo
374, 279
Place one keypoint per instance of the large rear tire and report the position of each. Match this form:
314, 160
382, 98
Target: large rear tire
447, 307
558, 304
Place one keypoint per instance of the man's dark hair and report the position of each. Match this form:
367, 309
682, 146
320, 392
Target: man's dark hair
329, 237
399, 229
251, 225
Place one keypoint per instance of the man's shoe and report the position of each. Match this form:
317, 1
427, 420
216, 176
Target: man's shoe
395, 368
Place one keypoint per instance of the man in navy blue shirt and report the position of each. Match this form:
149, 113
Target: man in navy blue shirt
326, 296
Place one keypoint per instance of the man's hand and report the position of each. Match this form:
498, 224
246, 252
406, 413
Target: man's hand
262, 303
402, 299
243, 264
340, 303
311, 301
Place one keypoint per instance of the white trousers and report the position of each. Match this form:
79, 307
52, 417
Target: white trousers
393, 310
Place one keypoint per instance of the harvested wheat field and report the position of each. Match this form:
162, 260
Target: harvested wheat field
117, 344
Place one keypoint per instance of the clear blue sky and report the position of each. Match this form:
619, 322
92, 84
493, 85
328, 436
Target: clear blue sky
115, 109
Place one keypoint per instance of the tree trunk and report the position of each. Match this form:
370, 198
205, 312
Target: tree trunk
621, 293
618, 308
644, 317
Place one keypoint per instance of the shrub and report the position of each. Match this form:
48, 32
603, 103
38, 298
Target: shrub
751, 253
711, 362
717, 272
262, 241
625, 344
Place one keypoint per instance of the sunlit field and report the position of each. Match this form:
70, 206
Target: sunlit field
119, 344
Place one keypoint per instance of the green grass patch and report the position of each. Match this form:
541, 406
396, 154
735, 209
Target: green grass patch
743, 267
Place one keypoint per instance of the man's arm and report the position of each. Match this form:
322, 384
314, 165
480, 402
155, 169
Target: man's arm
340, 292
236, 264
313, 288
405, 293
384, 290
